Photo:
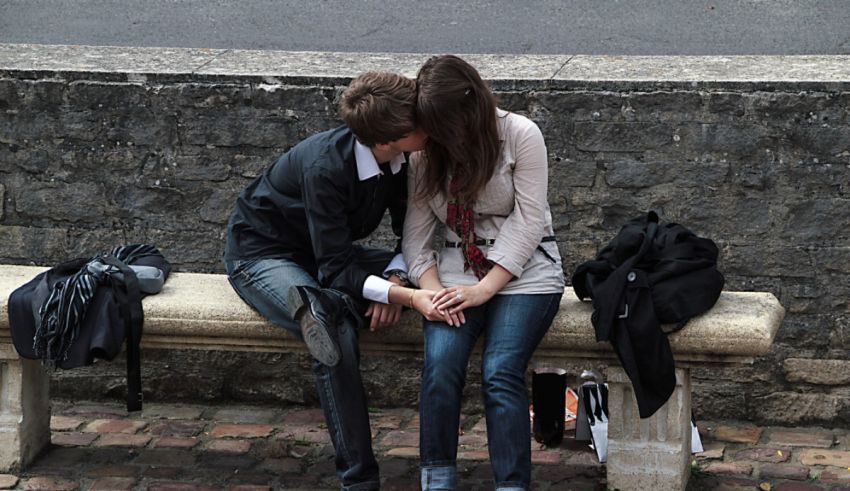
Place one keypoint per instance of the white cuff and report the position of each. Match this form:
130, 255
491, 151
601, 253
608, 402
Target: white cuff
376, 289
396, 263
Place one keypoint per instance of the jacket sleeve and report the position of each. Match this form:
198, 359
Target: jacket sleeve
325, 198
398, 206
521, 232
420, 224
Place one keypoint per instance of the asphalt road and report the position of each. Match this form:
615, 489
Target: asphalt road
627, 27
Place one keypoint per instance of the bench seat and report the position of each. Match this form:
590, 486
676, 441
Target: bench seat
201, 311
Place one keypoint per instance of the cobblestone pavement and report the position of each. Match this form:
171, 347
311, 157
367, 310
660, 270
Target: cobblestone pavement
180, 447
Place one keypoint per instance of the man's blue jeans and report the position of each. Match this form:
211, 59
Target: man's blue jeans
513, 326
263, 284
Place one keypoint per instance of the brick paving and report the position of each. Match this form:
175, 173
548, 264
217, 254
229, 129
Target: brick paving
183, 447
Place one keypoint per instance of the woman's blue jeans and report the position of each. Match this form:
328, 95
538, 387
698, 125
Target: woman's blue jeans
263, 284
512, 326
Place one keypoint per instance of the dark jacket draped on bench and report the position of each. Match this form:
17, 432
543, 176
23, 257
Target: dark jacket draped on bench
649, 275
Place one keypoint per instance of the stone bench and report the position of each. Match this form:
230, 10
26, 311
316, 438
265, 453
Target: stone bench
201, 311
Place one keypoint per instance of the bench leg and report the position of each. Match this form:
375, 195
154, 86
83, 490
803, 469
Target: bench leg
24, 412
654, 453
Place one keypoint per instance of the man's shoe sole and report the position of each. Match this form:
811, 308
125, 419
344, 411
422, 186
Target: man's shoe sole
319, 342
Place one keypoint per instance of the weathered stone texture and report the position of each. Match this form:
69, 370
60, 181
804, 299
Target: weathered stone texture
90, 160
820, 372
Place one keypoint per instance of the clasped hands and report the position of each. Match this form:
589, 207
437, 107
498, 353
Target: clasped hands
448, 304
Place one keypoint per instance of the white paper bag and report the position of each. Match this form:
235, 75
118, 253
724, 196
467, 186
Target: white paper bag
595, 399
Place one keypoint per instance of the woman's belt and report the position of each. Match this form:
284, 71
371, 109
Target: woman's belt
490, 242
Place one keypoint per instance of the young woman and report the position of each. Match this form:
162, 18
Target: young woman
483, 174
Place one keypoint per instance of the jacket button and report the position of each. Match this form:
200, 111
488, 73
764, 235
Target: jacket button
631, 276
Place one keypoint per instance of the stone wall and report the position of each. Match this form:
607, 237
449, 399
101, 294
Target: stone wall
104, 146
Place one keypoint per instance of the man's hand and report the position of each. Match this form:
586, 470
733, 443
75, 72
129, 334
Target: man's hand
382, 315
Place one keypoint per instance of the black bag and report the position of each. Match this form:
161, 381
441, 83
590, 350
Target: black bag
548, 393
649, 274
99, 326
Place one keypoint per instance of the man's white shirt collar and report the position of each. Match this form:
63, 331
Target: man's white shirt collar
367, 166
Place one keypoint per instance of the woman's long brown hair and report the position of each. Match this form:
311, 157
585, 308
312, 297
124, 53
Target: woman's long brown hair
457, 110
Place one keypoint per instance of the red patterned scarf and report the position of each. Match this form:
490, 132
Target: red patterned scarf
461, 220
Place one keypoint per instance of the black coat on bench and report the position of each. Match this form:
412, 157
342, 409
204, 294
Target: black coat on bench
649, 275
112, 317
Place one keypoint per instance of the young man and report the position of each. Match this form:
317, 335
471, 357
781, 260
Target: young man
290, 252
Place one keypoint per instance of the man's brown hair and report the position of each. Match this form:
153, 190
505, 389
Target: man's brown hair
379, 107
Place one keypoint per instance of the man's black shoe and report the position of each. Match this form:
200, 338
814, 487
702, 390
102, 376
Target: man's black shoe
318, 315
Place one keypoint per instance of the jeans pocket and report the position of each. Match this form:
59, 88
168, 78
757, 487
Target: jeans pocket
237, 266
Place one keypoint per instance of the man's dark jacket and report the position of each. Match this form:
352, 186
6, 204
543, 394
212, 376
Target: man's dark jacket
310, 206
649, 275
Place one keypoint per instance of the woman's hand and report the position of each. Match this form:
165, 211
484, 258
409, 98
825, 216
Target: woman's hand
422, 302
453, 300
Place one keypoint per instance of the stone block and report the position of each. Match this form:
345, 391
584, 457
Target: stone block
738, 434
177, 428
404, 452
621, 137
835, 476
294, 100
113, 484
662, 106
114, 426
73, 439
636, 174
218, 206
176, 442
64, 423
728, 468
228, 446
711, 451
776, 471
24, 412
652, 453
726, 104
304, 417
797, 486
113, 470
304, 434
205, 165
241, 431
50, 484
153, 411
281, 466
820, 439
581, 105
571, 173
181, 486
79, 202
401, 438
35, 244
122, 440
795, 407
165, 458
813, 218
772, 455
815, 456
817, 371
545, 456
215, 97
245, 129
8, 481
